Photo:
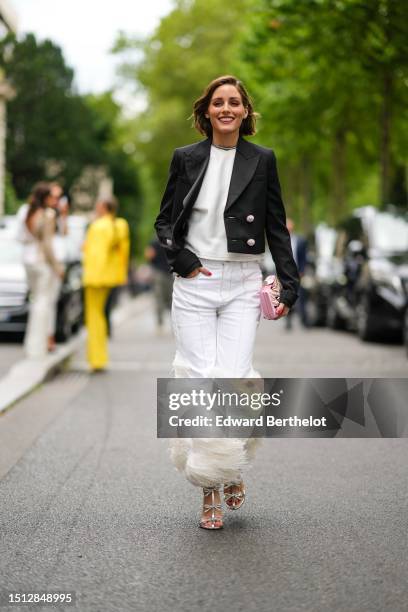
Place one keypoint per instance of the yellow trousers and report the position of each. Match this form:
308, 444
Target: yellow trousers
95, 321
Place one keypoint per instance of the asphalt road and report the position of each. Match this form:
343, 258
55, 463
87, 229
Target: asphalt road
91, 504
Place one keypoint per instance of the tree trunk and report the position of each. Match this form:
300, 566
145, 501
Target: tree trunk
385, 126
398, 187
339, 176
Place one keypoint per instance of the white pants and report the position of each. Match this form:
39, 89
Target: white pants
215, 319
56, 288
40, 278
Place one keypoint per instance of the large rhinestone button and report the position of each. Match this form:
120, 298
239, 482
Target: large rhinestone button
250, 242
250, 218
169, 242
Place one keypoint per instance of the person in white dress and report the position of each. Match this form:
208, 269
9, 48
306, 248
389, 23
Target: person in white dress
36, 232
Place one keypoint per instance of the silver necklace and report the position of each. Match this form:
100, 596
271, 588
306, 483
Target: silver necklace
225, 148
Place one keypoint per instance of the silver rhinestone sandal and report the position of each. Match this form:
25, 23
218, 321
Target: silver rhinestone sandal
212, 522
235, 500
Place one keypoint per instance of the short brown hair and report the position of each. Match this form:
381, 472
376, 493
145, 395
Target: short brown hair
200, 107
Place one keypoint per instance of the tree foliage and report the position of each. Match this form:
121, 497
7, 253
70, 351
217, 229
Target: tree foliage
54, 133
194, 44
332, 77
328, 77
49, 128
111, 133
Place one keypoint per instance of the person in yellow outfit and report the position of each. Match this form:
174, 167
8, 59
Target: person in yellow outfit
122, 257
104, 267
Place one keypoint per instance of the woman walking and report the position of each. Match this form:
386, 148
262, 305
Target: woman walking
222, 197
41, 267
105, 262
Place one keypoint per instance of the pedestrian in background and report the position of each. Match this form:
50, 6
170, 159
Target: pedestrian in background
103, 267
222, 197
59, 247
299, 249
42, 268
162, 280
122, 254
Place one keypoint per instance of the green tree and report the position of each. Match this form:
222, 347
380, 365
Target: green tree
111, 134
49, 129
54, 133
320, 69
195, 43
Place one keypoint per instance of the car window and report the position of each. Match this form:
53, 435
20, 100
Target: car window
389, 233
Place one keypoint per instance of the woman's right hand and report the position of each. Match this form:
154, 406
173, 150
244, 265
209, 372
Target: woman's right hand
197, 271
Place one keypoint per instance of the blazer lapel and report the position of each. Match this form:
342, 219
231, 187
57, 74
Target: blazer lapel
196, 157
245, 163
196, 164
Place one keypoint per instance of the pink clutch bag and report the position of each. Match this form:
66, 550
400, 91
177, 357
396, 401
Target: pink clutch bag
270, 294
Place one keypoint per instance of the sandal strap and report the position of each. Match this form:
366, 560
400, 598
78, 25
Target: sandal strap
238, 496
211, 507
207, 507
209, 490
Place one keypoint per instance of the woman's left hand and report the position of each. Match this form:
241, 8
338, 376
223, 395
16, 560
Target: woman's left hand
282, 310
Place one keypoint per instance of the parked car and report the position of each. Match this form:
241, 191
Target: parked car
14, 294
369, 290
405, 330
13, 286
318, 273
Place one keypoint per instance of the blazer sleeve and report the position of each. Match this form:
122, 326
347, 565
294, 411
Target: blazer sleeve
181, 260
278, 237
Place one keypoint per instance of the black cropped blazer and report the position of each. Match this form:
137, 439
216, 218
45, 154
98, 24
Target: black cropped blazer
254, 208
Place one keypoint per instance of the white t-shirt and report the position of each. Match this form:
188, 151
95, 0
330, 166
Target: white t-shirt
206, 235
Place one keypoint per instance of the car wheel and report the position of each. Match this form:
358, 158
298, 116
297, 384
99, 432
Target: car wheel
365, 330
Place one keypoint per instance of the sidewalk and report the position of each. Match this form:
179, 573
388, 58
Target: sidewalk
10, 353
23, 375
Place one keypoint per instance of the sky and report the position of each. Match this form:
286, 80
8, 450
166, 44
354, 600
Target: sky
86, 30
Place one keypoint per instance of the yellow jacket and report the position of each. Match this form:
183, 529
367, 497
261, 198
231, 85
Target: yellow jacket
106, 252
122, 251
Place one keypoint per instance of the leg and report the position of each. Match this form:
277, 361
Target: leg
52, 326
206, 349
40, 277
194, 319
159, 297
97, 349
212, 509
168, 290
302, 306
238, 321
237, 325
110, 305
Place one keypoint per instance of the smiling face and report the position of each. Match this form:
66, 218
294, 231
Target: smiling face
226, 111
